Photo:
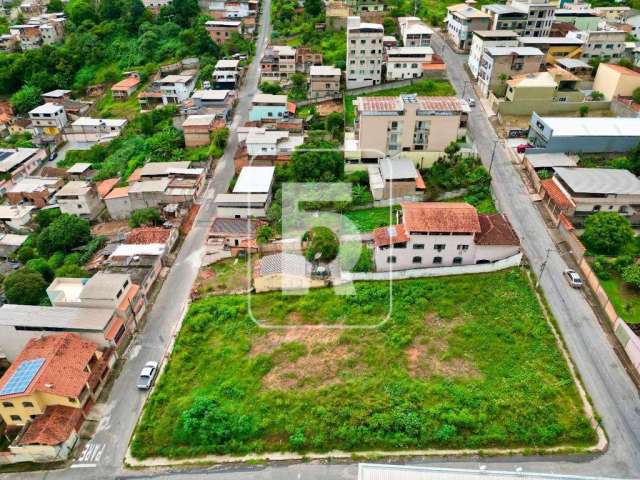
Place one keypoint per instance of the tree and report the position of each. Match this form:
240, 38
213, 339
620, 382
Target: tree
313, 7
631, 275
145, 217
55, 6
71, 271
270, 88
334, 124
607, 233
317, 161
41, 266
45, 216
596, 95
584, 110
64, 234
264, 234
322, 244
25, 254
25, 99
636, 95
25, 287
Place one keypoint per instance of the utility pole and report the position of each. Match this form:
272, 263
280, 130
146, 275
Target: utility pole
493, 154
542, 267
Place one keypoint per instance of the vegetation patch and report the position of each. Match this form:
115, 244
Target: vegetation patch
462, 362
226, 276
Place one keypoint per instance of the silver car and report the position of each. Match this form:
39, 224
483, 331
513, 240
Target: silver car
573, 278
147, 375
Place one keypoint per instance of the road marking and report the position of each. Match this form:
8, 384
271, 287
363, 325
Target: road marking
91, 453
83, 465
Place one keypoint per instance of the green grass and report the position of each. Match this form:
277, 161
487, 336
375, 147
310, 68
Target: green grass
109, 108
368, 219
429, 88
625, 299
483, 203
228, 275
463, 362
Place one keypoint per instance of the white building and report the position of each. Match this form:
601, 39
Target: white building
462, 20
251, 194
176, 88
79, 198
48, 120
406, 62
483, 39
15, 216
87, 130
260, 141
364, 53
529, 18
606, 44
226, 73
414, 32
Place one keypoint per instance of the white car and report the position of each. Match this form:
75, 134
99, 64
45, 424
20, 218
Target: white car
573, 278
471, 101
147, 375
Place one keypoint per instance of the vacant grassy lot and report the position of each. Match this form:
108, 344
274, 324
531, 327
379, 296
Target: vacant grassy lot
225, 276
463, 361
369, 219
427, 88
625, 299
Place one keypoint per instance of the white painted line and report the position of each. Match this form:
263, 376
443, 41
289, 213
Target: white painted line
83, 465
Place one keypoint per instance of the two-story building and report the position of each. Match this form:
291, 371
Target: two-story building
265, 106
499, 63
176, 88
17, 163
37, 191
226, 74
605, 45
554, 48
324, 81
79, 197
437, 234
414, 32
616, 81
217, 102
88, 131
221, 31
407, 62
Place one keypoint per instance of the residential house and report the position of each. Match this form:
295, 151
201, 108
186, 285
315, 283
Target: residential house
37, 191
155, 5
233, 233
364, 53
17, 163
538, 165
305, 59
48, 121
153, 235
226, 9
90, 131
583, 135
217, 102
125, 87
389, 41
336, 14
15, 217
614, 13
40, 30
394, 178
324, 81
221, 31
419, 127
616, 81
462, 20
79, 198
500, 63
583, 19
80, 171
407, 62
579, 68
226, 74
414, 32
278, 63
266, 106
554, 48
61, 369
579, 192
483, 39
9, 243
9, 42
262, 146
57, 96
605, 45
197, 129
118, 204
529, 18
443, 235
142, 262
251, 194
284, 271
176, 88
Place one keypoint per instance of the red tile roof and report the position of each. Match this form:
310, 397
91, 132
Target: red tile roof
105, 186
118, 192
126, 84
390, 235
440, 217
63, 373
135, 176
496, 230
291, 107
53, 427
145, 235
556, 194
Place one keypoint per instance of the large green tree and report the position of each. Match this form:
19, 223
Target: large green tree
607, 233
25, 99
25, 287
64, 234
317, 161
322, 244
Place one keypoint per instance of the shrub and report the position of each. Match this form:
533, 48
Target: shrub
71, 271
631, 275
322, 244
41, 266
636, 95
145, 217
607, 233
25, 254
25, 287
64, 234
601, 268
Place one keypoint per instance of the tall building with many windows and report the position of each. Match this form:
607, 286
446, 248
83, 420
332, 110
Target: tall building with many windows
364, 53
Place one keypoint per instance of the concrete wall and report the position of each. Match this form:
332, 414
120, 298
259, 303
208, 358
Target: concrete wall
527, 107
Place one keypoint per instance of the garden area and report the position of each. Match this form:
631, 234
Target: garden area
462, 362
425, 88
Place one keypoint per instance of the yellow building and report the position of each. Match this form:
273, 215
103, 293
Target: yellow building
616, 81
61, 369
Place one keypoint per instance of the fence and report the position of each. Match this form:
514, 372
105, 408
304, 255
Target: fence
316, 100
510, 262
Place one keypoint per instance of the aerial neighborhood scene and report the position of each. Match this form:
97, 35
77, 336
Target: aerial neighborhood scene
320, 239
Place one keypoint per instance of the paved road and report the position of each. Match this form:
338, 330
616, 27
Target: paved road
103, 456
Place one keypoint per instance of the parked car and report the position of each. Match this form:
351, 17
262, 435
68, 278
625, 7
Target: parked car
573, 278
147, 375
471, 101
522, 148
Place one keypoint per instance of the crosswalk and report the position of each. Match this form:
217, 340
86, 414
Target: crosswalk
90, 456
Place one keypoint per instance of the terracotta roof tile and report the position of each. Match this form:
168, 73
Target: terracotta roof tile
104, 187
496, 230
117, 192
440, 217
135, 176
126, 84
53, 427
146, 235
556, 194
63, 373
390, 235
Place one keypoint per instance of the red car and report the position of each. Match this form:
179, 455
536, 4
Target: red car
523, 147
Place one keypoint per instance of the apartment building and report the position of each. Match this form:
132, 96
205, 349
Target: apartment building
406, 62
324, 81
48, 121
499, 63
434, 234
414, 32
606, 44
462, 20
529, 18
364, 53
278, 63
226, 74
17, 163
483, 39
554, 48
79, 198
583, 19
419, 127
221, 31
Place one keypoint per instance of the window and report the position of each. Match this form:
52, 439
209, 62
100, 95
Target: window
596, 208
624, 209
463, 247
32, 416
418, 246
438, 247
437, 260
27, 404
391, 259
7, 404
457, 260
417, 260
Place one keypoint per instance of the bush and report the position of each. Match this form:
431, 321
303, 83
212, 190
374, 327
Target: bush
607, 233
631, 275
25, 254
636, 95
322, 245
270, 88
64, 234
25, 287
601, 268
41, 266
71, 271
145, 217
